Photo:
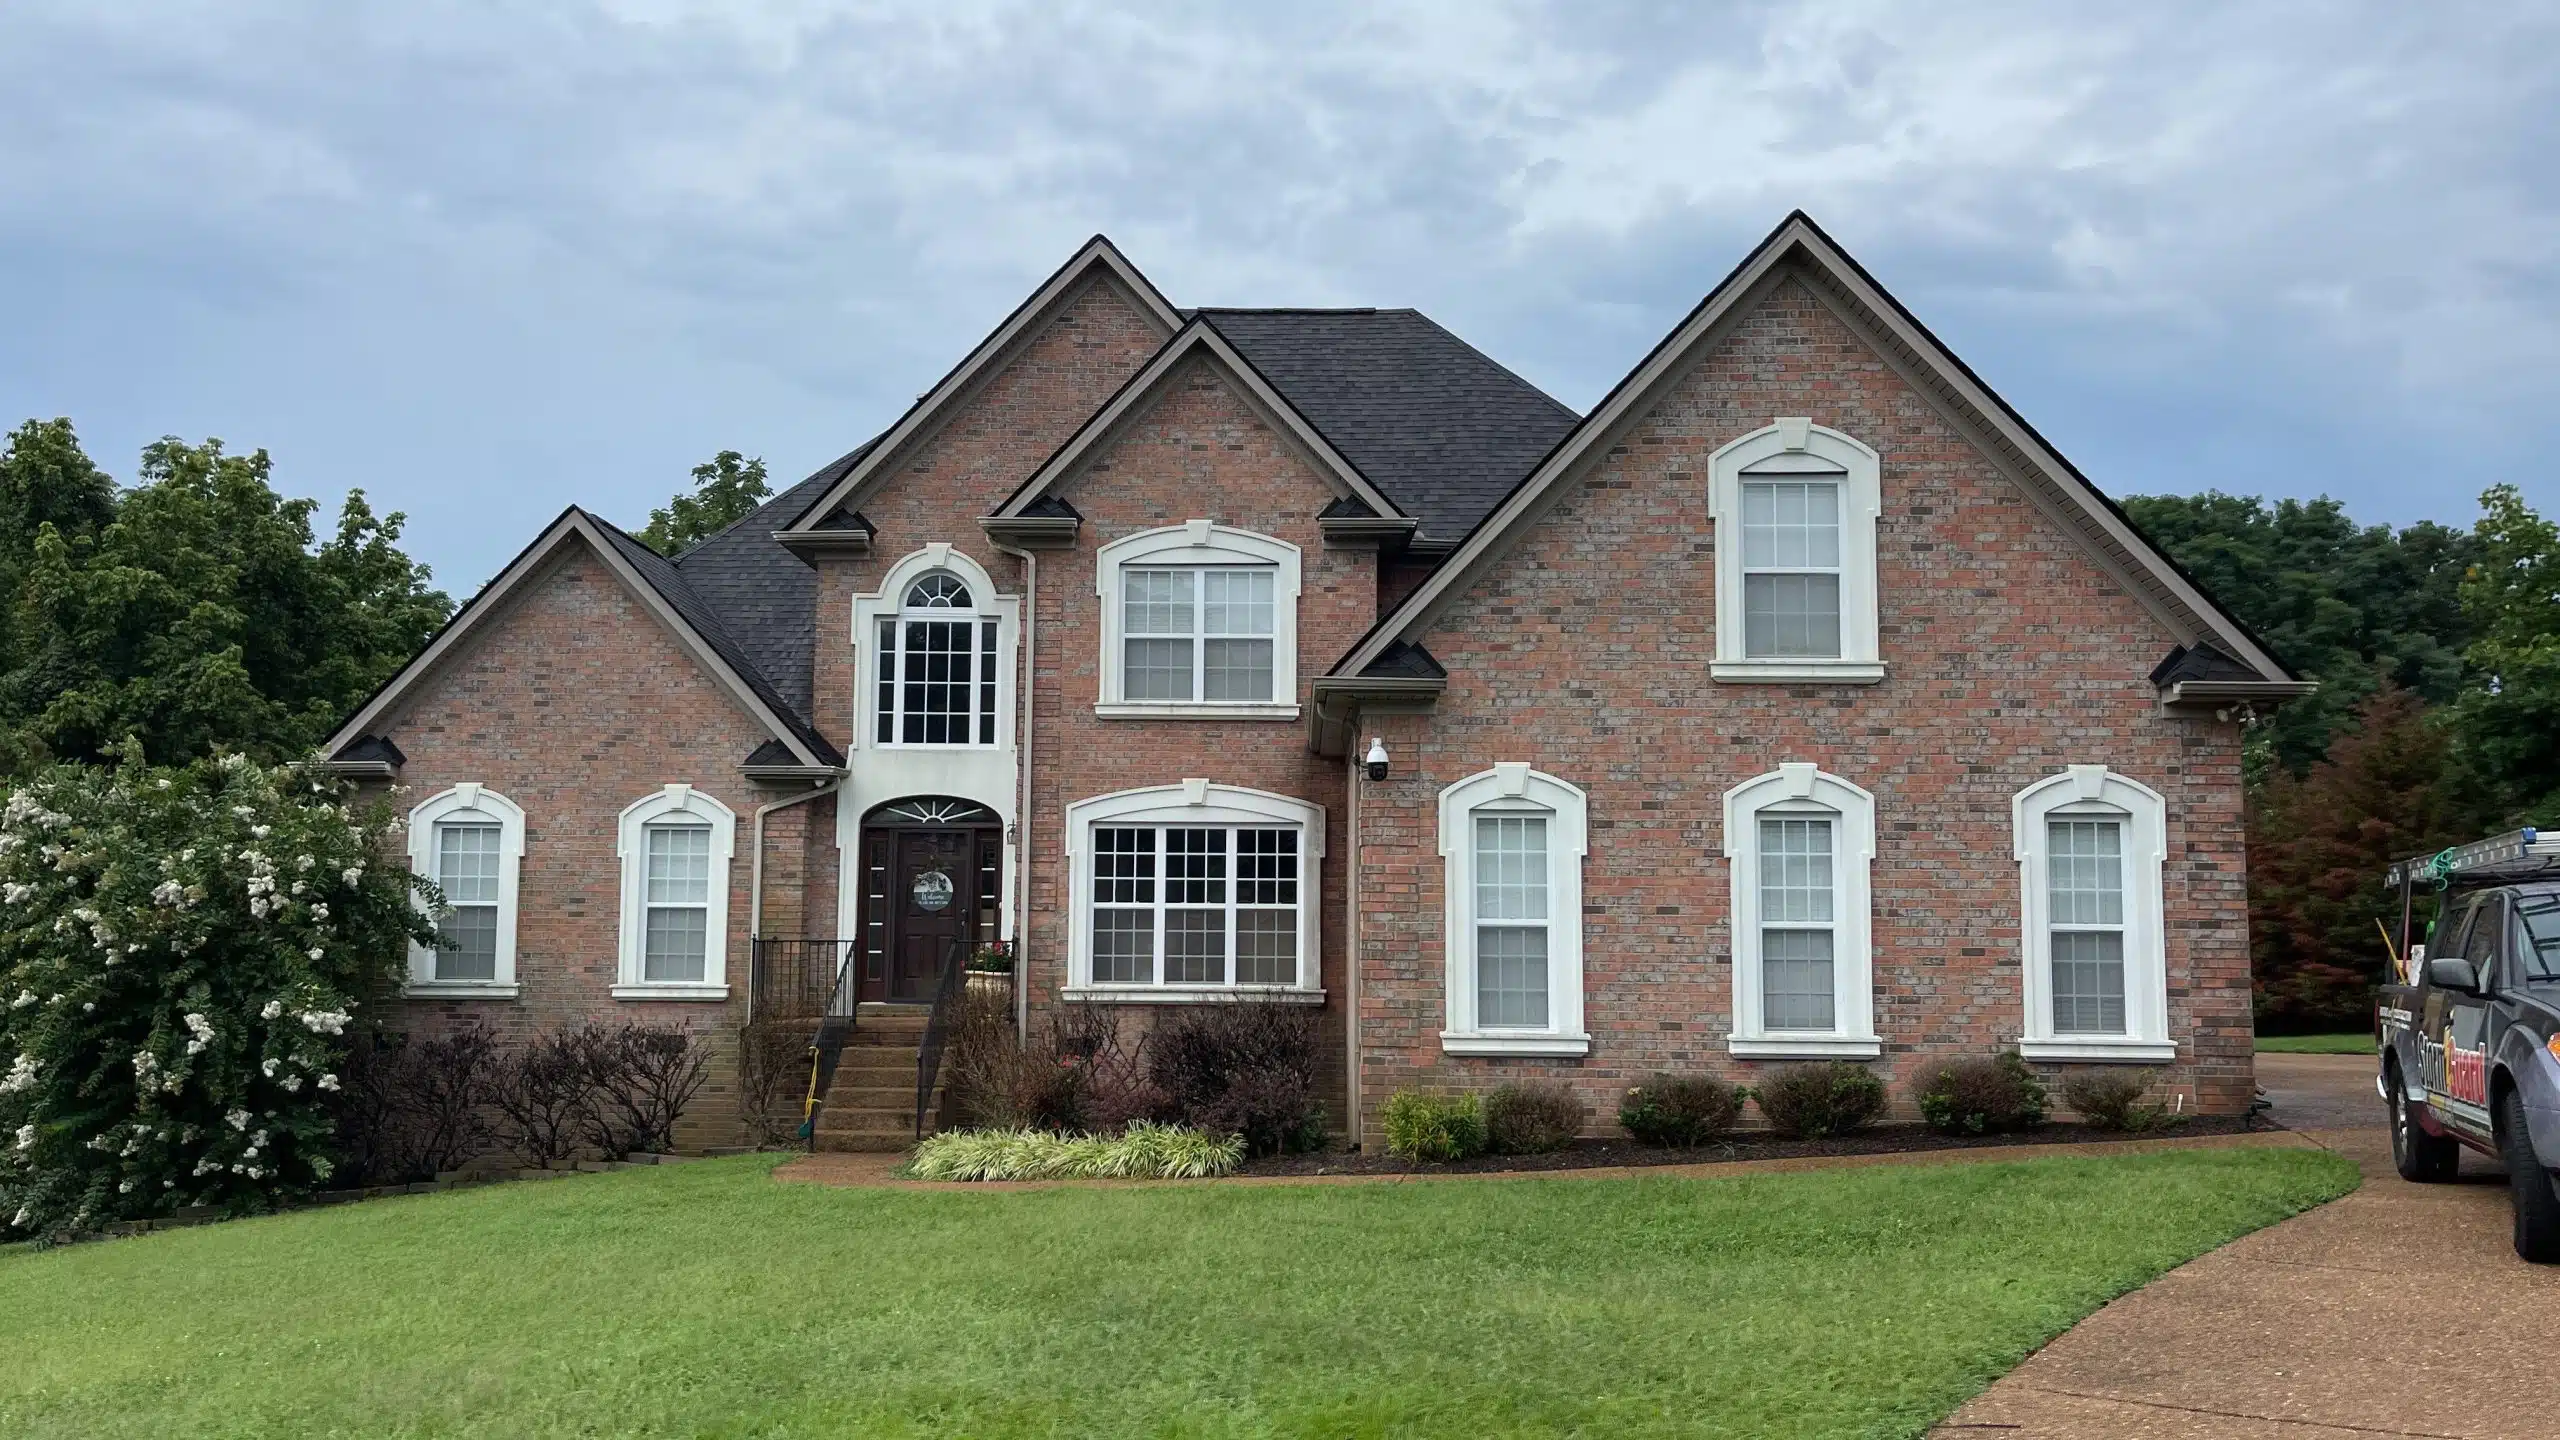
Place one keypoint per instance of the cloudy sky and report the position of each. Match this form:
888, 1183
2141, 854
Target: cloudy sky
487, 259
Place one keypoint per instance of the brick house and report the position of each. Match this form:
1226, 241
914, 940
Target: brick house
1798, 702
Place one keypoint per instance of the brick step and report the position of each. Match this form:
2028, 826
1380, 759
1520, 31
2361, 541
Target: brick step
875, 1057
842, 1144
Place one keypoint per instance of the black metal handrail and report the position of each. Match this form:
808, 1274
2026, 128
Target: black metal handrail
831, 1019
937, 1029
792, 979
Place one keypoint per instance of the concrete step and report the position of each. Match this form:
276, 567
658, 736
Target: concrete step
864, 1144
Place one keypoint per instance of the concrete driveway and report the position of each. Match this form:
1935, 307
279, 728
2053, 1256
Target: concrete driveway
2399, 1310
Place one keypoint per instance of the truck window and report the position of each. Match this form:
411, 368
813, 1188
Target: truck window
2486, 938
2535, 954
2446, 938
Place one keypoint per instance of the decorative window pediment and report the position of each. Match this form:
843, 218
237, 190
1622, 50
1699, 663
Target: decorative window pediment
2094, 954
469, 840
675, 847
1199, 621
1795, 507
1800, 842
1512, 840
935, 650
1194, 891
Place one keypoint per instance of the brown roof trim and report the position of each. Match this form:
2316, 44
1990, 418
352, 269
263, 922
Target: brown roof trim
1097, 255
573, 525
1799, 246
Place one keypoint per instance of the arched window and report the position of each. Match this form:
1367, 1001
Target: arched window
675, 847
469, 840
1795, 507
1511, 844
2090, 845
1199, 621
1800, 842
937, 667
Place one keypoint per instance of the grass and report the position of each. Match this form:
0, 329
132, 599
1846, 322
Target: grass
2360, 1043
706, 1300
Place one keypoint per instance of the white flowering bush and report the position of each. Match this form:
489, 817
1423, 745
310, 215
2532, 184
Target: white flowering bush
182, 952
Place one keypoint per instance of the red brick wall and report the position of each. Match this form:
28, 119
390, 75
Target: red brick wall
574, 703
1199, 453
1584, 651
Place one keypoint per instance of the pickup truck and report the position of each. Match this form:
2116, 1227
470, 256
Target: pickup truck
2469, 1039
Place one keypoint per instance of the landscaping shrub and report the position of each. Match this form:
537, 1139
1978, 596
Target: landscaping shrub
446, 1088
1434, 1127
644, 1078
1530, 1118
985, 1064
182, 951
1811, 1102
1147, 1151
2112, 1100
1246, 1068
1974, 1097
773, 1077
542, 1089
1681, 1109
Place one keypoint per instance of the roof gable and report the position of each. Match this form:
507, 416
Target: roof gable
660, 587
1800, 247
1098, 258
1199, 339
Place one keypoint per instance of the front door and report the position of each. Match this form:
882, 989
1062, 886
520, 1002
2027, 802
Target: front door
929, 890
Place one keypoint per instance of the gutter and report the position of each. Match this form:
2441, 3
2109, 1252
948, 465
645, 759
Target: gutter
1028, 693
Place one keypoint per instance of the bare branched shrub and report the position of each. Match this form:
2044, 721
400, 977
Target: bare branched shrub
644, 1077
1247, 1068
541, 1090
773, 1075
446, 1092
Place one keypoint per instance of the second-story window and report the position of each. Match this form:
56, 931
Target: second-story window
937, 667
1790, 569
1198, 634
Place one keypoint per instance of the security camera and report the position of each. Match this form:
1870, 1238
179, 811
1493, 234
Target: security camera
1377, 759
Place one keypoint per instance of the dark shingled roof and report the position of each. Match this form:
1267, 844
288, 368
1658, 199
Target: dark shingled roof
2199, 662
1406, 660
765, 594
1442, 429
708, 622
373, 747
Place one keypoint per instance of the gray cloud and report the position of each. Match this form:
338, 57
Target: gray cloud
487, 259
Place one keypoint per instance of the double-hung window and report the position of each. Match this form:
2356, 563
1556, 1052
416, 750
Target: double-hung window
937, 667
1512, 841
675, 846
1199, 620
1800, 842
1198, 634
2091, 845
1179, 896
1795, 508
469, 840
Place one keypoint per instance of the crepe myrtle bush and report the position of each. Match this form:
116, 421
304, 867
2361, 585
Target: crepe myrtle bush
181, 954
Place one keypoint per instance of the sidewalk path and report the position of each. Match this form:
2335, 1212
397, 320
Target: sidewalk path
2399, 1310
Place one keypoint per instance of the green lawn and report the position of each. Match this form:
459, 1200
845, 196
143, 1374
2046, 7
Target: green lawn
707, 1300
2360, 1043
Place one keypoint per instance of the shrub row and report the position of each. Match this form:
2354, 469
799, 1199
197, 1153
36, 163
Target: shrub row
1145, 1151
1813, 1101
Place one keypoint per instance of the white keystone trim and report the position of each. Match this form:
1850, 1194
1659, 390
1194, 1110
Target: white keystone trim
886, 602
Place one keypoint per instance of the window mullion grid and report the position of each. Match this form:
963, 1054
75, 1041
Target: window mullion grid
1200, 635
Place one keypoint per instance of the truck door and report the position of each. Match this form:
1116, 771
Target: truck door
2466, 1023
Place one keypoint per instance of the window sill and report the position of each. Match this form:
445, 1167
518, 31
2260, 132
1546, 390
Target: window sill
1798, 672
2101, 1050
460, 990
1804, 1047
1195, 710
670, 992
1452, 1043
1167, 995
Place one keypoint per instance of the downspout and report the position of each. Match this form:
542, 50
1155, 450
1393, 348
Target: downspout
1351, 944
1022, 813
755, 884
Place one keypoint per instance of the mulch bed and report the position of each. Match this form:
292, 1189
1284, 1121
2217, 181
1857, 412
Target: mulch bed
1595, 1154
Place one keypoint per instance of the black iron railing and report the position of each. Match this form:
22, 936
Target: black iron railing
797, 979
937, 1028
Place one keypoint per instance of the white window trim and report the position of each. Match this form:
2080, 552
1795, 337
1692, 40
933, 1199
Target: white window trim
885, 603
1805, 444
1194, 802
1805, 789
1512, 787
1194, 543
469, 801
2097, 792
632, 845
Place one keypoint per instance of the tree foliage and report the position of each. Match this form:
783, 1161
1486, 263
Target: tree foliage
2507, 722
2353, 607
180, 953
726, 489
192, 612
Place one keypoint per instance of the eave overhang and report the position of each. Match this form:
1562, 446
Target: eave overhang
1340, 700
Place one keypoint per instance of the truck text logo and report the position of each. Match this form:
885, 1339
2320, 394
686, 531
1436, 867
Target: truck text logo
2458, 1074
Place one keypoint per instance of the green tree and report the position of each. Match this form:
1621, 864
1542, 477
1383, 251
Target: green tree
2508, 721
2350, 606
193, 612
726, 489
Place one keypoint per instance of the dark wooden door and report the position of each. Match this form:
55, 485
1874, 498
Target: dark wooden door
930, 889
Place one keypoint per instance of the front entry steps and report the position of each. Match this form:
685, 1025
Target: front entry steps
871, 1102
